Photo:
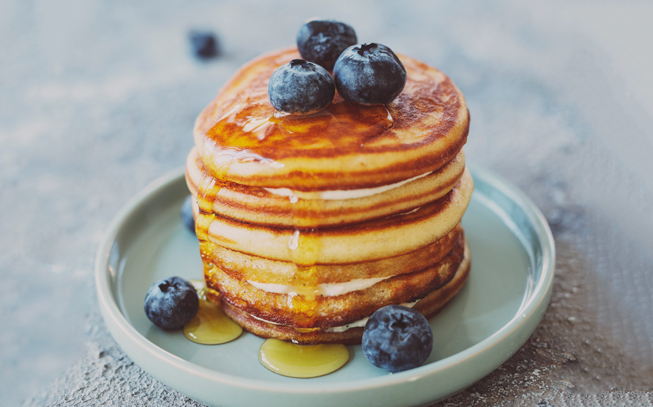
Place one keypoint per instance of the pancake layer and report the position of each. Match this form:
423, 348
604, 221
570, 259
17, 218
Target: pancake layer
300, 209
247, 267
304, 310
374, 240
429, 305
240, 138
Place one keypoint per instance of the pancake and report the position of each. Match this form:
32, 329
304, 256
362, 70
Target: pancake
247, 267
369, 241
306, 309
430, 305
241, 140
308, 224
285, 207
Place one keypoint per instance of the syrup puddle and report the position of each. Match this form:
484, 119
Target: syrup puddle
302, 361
210, 326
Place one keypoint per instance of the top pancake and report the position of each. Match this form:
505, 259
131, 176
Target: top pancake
345, 146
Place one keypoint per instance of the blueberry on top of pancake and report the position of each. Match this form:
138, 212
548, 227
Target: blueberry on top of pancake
322, 41
301, 87
369, 74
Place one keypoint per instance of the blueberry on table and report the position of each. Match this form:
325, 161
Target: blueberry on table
397, 338
369, 74
187, 213
301, 87
322, 41
171, 303
204, 44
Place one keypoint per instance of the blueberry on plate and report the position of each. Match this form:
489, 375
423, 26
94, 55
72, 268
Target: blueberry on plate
369, 74
397, 338
187, 213
204, 44
301, 87
171, 303
322, 41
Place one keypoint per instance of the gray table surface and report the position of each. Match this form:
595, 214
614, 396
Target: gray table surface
98, 98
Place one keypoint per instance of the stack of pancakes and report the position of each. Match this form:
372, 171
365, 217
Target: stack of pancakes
308, 224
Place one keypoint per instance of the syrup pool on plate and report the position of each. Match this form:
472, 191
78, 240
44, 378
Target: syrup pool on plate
210, 326
302, 361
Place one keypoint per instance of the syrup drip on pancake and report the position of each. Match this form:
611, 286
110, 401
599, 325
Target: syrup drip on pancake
305, 251
341, 126
208, 190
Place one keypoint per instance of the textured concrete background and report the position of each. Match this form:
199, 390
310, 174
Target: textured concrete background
98, 98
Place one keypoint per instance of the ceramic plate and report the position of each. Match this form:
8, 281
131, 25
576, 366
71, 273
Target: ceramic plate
499, 307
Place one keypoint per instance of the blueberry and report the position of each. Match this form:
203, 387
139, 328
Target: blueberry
369, 74
187, 213
204, 44
171, 303
301, 87
397, 338
322, 41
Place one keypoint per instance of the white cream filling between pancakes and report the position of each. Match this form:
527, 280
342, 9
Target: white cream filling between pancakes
326, 290
337, 195
356, 324
332, 195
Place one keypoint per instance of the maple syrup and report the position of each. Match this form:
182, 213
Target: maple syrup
305, 250
199, 287
211, 326
302, 361
207, 192
342, 125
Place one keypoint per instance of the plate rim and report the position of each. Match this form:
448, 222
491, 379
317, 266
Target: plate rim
110, 310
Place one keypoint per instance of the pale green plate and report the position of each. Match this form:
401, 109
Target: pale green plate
499, 307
